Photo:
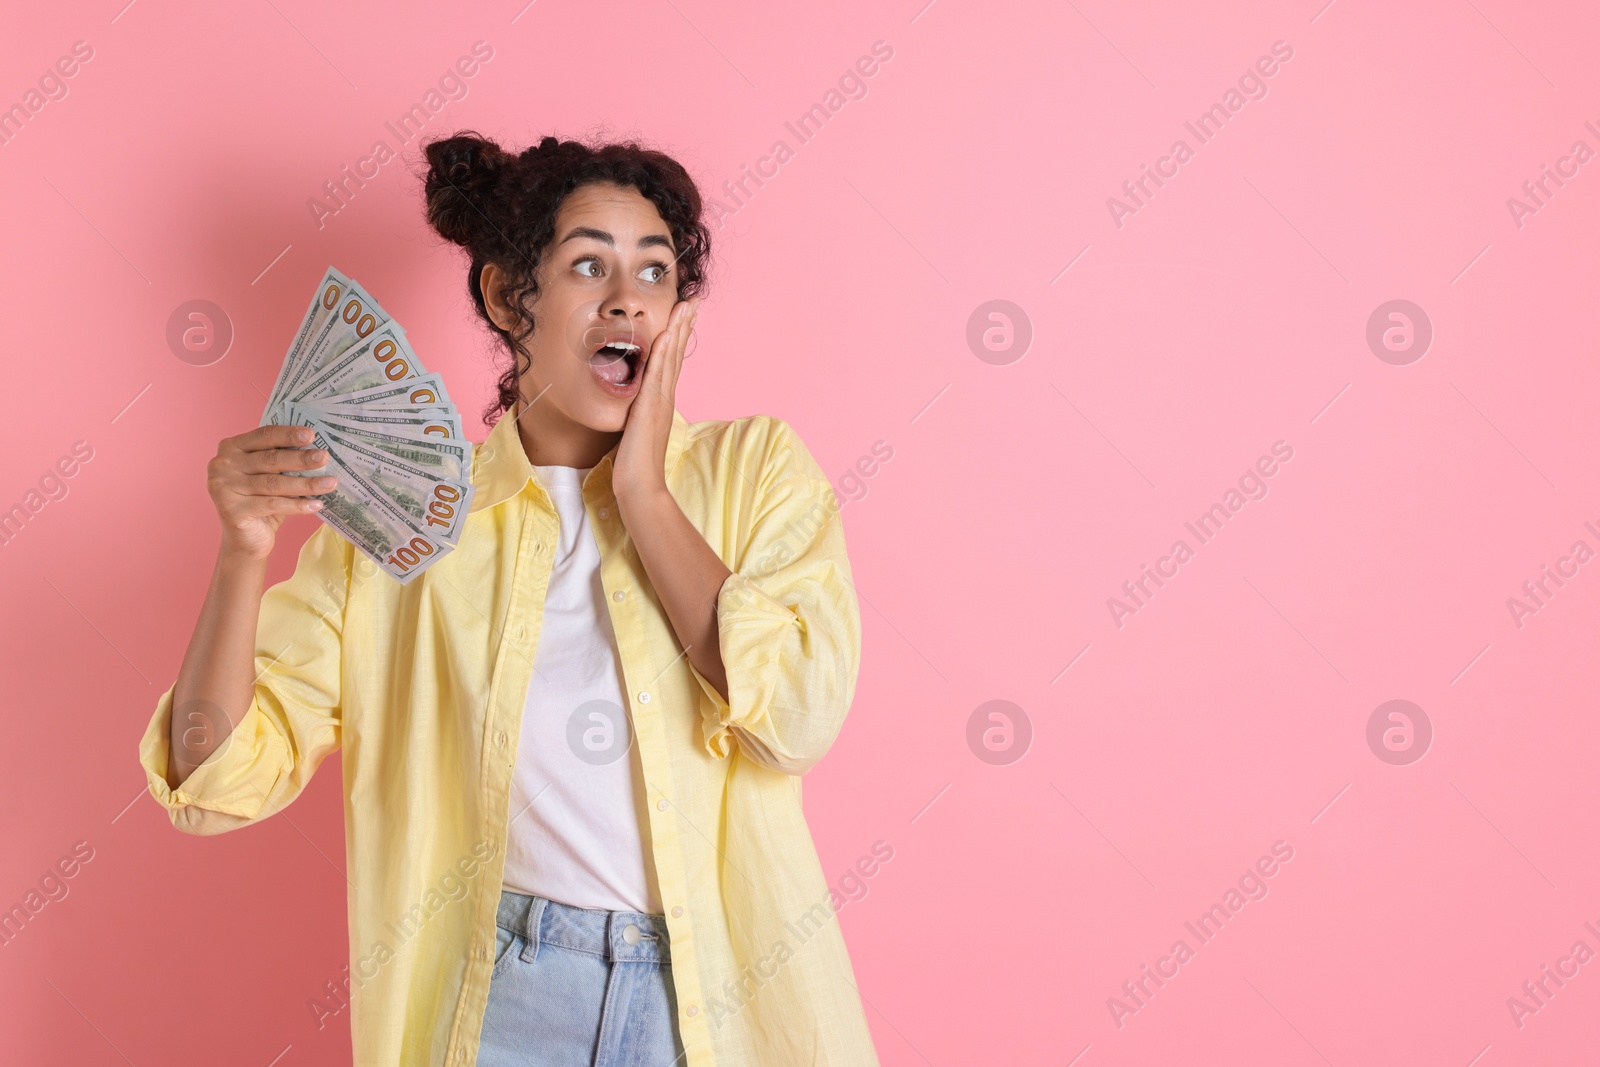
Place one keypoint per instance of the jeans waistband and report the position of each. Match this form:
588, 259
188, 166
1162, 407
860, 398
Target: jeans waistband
616, 935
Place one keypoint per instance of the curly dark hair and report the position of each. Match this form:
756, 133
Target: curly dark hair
502, 209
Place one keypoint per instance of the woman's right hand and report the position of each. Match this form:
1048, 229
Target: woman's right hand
252, 496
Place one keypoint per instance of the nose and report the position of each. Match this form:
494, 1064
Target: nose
617, 318
623, 302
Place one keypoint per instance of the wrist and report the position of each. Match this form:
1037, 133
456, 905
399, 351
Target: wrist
234, 560
642, 498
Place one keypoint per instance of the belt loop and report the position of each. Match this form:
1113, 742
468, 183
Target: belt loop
530, 948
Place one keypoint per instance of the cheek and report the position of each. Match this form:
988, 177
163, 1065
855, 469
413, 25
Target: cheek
559, 334
557, 361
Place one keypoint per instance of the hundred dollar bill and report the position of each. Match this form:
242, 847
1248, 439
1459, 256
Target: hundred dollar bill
323, 301
357, 510
420, 411
355, 317
425, 390
433, 504
392, 434
382, 358
446, 425
439, 457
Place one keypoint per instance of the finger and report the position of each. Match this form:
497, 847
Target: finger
261, 507
683, 322
281, 459
282, 485
674, 320
691, 343
664, 344
272, 437
650, 370
680, 345
688, 333
658, 347
662, 379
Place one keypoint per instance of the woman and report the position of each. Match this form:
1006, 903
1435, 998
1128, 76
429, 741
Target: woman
572, 747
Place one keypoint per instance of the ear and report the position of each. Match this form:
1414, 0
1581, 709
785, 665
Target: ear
491, 280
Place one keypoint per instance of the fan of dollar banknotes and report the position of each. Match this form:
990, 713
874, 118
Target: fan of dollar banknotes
391, 432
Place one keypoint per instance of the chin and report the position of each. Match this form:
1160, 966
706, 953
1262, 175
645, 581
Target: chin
608, 417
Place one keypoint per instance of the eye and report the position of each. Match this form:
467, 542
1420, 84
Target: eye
662, 267
586, 260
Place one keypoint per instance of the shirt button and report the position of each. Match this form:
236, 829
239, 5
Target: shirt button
630, 934
693, 1010
662, 804
677, 912
644, 698
605, 513
619, 595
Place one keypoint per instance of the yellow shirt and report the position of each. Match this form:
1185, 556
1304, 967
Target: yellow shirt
422, 688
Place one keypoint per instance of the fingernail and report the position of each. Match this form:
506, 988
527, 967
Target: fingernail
316, 505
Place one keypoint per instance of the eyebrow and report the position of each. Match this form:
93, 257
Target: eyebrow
605, 238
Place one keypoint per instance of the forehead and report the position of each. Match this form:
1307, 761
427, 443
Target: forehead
621, 211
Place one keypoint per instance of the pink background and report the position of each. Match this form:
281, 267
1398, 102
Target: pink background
1228, 313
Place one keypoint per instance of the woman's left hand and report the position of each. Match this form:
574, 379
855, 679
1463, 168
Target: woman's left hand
640, 465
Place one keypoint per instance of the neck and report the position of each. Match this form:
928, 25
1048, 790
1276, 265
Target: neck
551, 440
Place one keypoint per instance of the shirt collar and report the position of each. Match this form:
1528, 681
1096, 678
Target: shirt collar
500, 466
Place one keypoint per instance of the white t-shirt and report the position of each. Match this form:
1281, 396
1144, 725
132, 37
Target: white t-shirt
578, 831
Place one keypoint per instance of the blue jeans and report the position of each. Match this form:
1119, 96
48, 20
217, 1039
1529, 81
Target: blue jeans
579, 987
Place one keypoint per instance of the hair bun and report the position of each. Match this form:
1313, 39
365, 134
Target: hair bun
546, 144
462, 172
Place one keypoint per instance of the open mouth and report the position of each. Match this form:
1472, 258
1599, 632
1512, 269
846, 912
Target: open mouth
616, 363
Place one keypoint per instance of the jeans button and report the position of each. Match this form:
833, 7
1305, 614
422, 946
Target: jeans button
630, 934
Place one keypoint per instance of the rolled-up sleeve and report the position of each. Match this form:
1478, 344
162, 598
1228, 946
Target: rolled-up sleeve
788, 625
293, 719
